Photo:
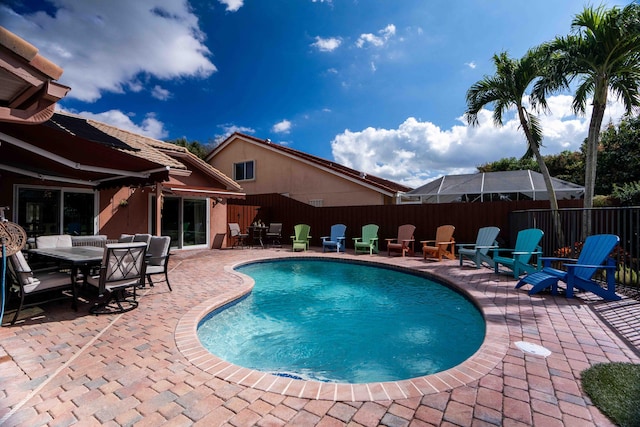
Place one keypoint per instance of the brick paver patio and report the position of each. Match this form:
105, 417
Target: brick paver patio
145, 367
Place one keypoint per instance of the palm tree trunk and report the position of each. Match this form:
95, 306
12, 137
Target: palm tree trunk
591, 156
553, 200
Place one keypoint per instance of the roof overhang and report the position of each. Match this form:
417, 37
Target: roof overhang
201, 192
27, 91
42, 152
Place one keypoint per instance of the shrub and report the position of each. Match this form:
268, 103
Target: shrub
628, 194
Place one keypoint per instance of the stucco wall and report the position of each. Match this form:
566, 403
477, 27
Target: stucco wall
276, 173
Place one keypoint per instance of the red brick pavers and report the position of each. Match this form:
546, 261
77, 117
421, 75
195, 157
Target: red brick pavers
144, 367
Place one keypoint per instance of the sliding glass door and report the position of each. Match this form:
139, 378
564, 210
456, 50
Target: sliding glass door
185, 220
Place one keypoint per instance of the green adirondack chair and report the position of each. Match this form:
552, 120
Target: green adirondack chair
368, 242
594, 256
301, 237
519, 261
479, 252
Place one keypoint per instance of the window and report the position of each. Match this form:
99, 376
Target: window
50, 210
243, 171
318, 203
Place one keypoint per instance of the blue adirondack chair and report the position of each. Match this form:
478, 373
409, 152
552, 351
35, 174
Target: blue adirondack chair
336, 240
479, 252
593, 257
368, 242
527, 246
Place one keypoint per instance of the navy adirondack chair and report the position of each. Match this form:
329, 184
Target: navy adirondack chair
593, 257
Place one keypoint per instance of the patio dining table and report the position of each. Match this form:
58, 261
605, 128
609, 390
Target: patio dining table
77, 258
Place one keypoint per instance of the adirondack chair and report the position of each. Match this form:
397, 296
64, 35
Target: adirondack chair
527, 246
443, 245
368, 242
404, 242
593, 257
301, 237
336, 239
479, 252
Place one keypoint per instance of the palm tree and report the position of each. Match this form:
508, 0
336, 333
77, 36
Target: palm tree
505, 90
603, 54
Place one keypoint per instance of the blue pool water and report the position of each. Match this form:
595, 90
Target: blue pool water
343, 322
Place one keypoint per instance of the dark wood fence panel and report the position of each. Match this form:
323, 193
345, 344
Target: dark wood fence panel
466, 217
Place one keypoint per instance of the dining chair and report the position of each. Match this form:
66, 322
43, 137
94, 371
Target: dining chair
158, 258
122, 271
26, 283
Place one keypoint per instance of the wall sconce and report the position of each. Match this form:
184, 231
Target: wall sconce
215, 201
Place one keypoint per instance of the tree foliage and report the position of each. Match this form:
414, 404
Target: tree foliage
619, 155
195, 147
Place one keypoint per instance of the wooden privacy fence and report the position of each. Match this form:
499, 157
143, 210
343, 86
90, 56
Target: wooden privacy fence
466, 217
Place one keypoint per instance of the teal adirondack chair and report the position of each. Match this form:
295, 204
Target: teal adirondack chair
336, 239
301, 237
593, 257
369, 240
479, 252
527, 246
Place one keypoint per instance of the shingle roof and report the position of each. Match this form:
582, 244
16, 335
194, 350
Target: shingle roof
367, 179
165, 153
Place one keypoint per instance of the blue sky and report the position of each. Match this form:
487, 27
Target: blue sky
377, 85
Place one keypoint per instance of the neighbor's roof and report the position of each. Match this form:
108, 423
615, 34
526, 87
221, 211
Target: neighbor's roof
166, 153
389, 187
451, 188
28, 92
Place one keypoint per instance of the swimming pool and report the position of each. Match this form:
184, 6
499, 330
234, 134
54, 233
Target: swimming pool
336, 321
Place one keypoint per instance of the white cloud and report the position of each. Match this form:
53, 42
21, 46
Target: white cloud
129, 39
149, 126
160, 93
471, 65
232, 5
385, 34
229, 129
282, 127
327, 45
418, 152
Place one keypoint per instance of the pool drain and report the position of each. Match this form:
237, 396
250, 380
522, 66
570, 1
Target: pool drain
531, 348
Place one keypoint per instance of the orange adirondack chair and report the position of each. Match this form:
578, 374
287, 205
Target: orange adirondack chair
442, 246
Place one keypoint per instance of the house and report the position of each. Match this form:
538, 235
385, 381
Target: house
192, 201
262, 167
61, 173
491, 186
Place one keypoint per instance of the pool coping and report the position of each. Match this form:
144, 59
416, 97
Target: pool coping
491, 352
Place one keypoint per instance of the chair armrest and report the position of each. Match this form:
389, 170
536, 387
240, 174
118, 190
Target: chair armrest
427, 241
487, 247
390, 240
357, 239
325, 237
374, 239
598, 266
340, 238
526, 253
467, 245
502, 250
